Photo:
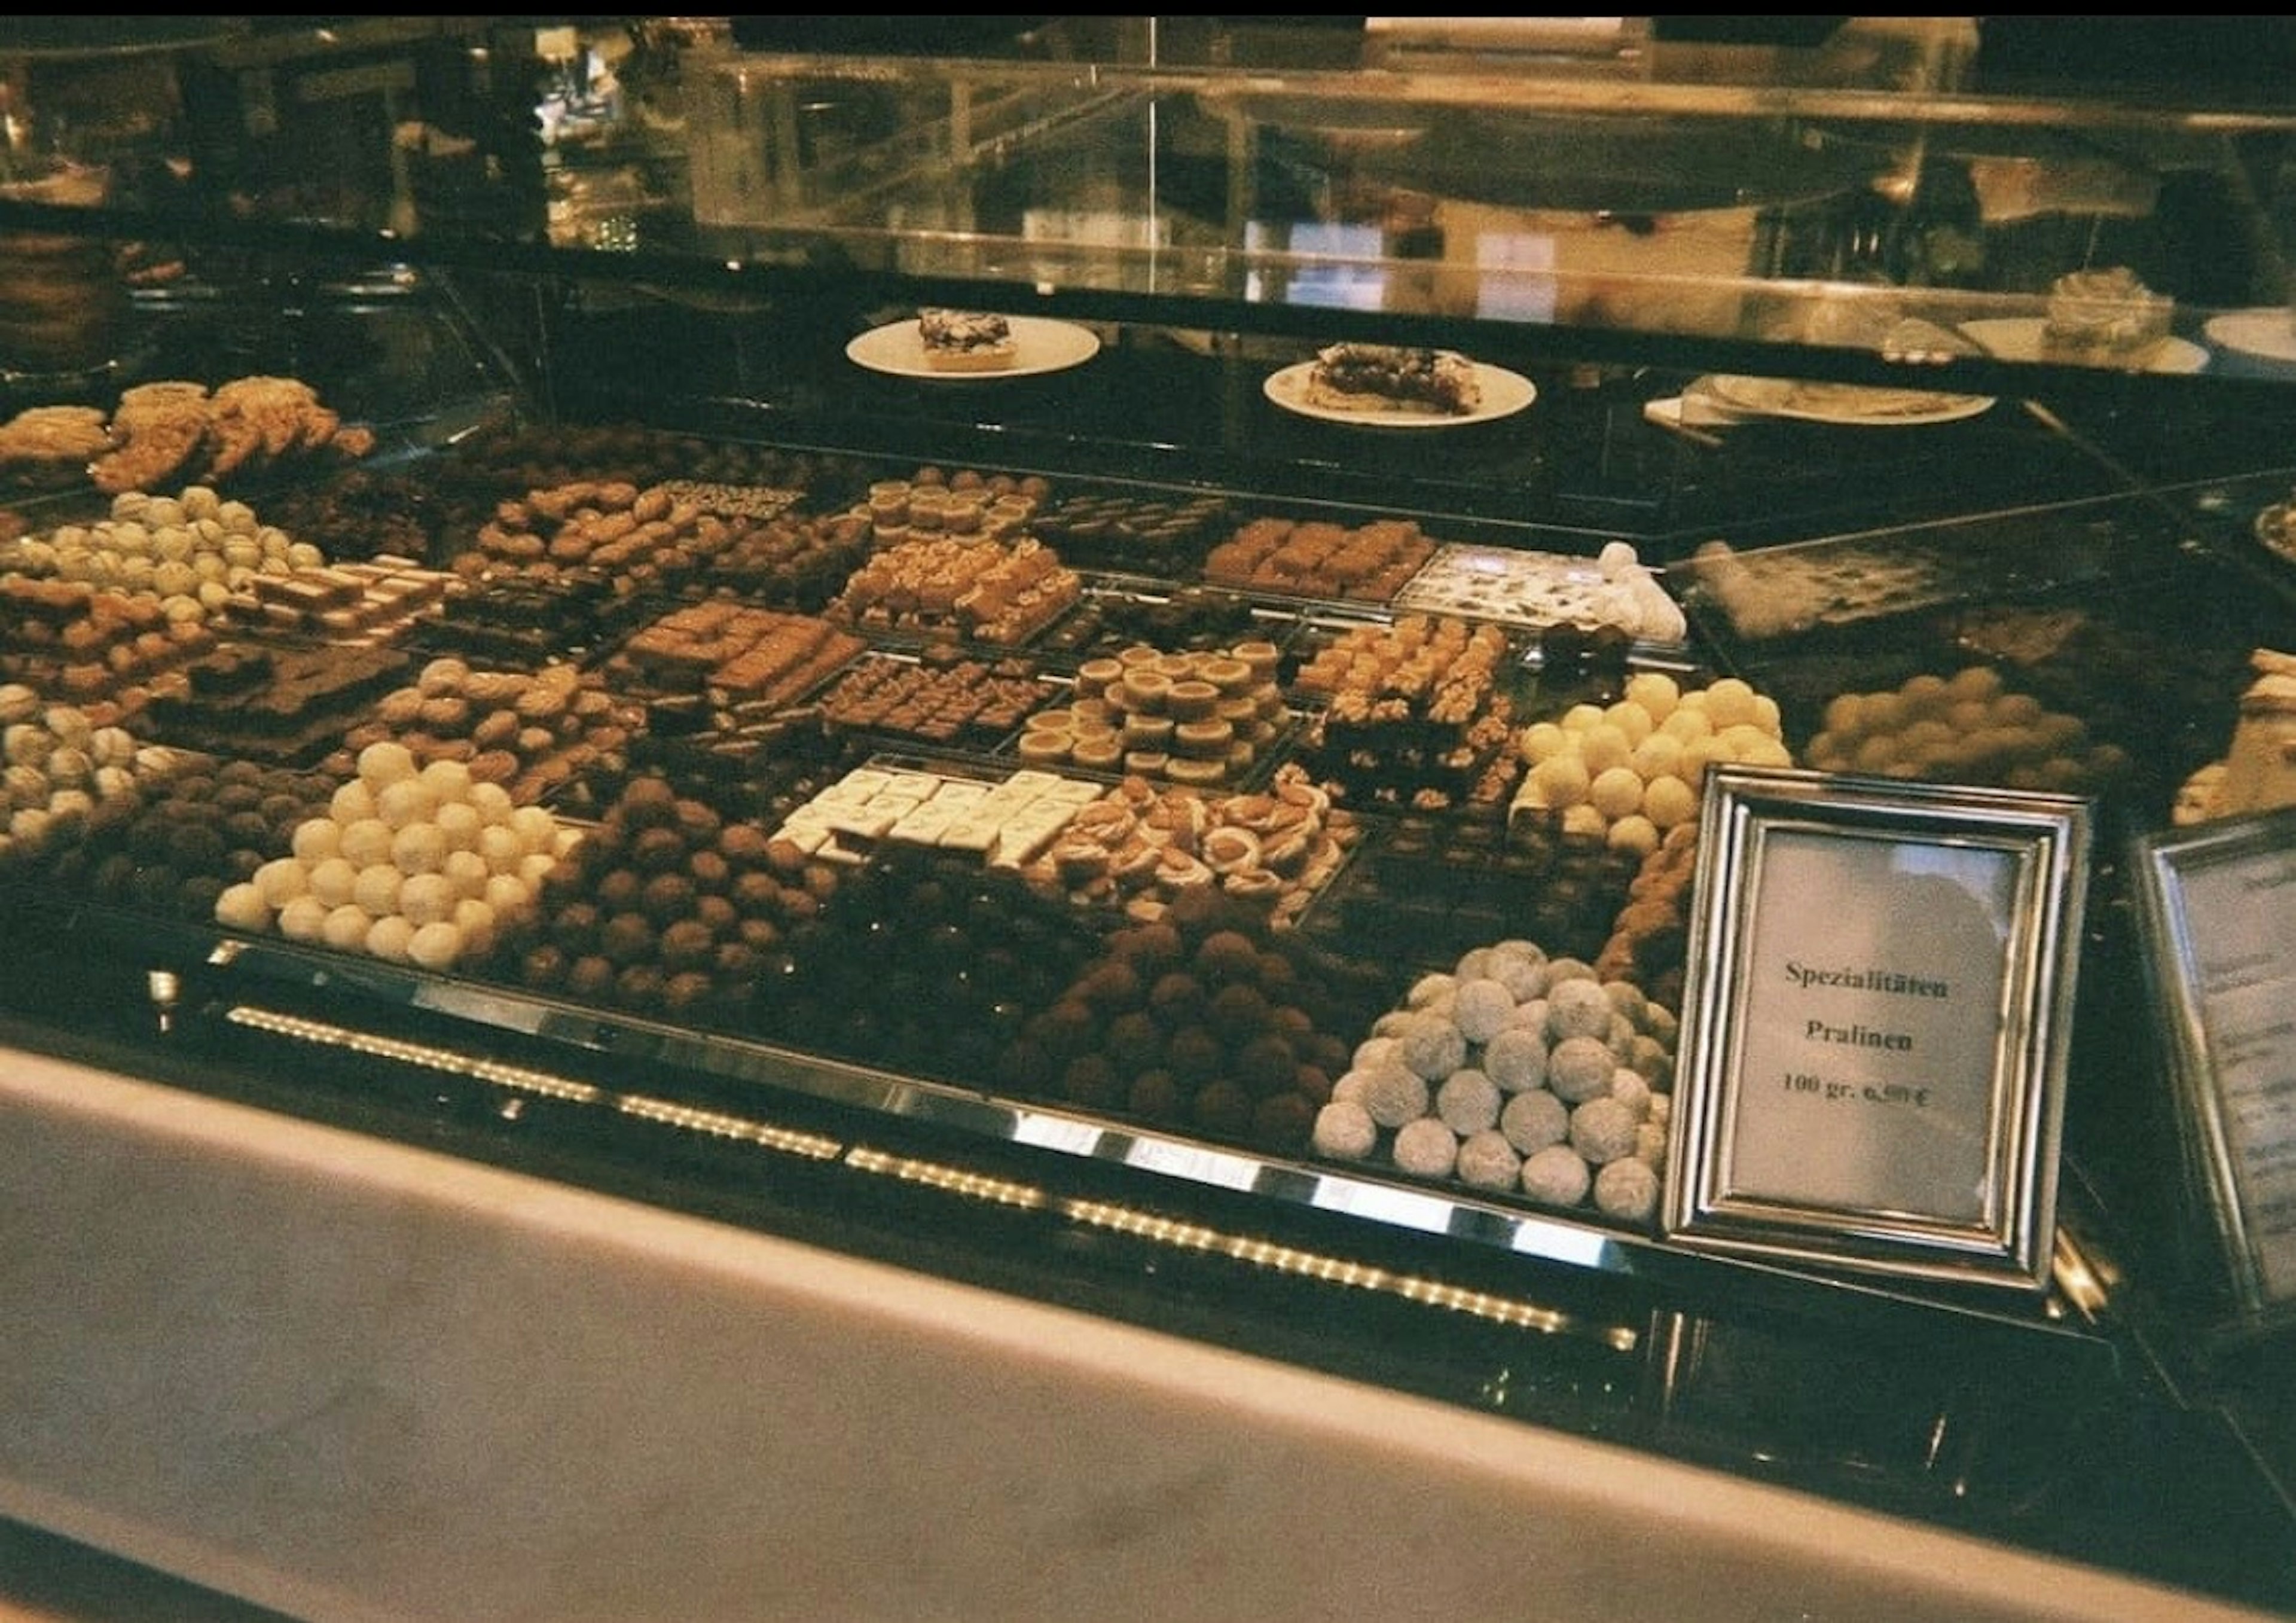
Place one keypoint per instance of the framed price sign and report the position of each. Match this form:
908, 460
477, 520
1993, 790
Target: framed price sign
1875, 1019
2218, 905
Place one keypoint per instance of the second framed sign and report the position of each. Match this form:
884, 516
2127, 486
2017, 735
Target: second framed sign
1875, 1022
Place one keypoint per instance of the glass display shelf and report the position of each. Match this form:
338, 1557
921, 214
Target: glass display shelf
1834, 212
722, 1087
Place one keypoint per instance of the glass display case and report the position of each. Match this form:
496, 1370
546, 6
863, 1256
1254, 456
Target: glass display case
517, 637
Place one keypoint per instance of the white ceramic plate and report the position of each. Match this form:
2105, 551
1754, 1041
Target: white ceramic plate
2264, 334
1504, 394
2272, 532
1850, 404
1040, 346
2018, 338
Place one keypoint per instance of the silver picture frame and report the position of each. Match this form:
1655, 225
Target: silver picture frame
2217, 930
1877, 1013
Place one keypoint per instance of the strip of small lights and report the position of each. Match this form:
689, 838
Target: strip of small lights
738, 1129
949, 1180
1167, 1232
1330, 1270
320, 1034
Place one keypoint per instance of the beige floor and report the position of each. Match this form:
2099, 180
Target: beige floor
47, 1579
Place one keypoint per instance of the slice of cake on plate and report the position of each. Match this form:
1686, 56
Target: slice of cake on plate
966, 340
2104, 316
1358, 377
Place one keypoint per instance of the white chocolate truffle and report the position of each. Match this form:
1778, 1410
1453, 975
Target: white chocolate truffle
1345, 1130
353, 802
536, 830
460, 822
427, 899
1431, 991
376, 889
1373, 1052
1432, 1046
1556, 1176
419, 847
366, 842
506, 894
1394, 1095
437, 945
535, 867
1533, 1120
303, 919
1578, 1069
1426, 1148
501, 847
1523, 975
1603, 1130
346, 928
467, 871
406, 802
241, 907
450, 781
389, 938
1628, 1088
333, 878
493, 801
1516, 1059
1627, 1190
317, 838
385, 762
476, 920
281, 880
1468, 1102
1576, 1008
1487, 1161
1480, 1009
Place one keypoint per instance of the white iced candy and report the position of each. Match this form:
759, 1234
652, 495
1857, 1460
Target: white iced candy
1533, 1120
1516, 1059
1468, 1102
1487, 1161
1627, 1189
1556, 1176
1481, 1009
1432, 1046
1603, 1130
1345, 1130
1578, 1069
1426, 1148
1394, 1096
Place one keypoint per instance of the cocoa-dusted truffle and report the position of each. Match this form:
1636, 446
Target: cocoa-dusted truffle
1266, 1066
1238, 1012
667, 897
1134, 1042
687, 944
1154, 1095
1222, 1108
1193, 1054
1177, 998
1227, 956
627, 939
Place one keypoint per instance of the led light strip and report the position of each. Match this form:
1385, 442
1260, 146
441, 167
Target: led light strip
739, 1129
1330, 1270
320, 1034
949, 1180
1178, 1235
